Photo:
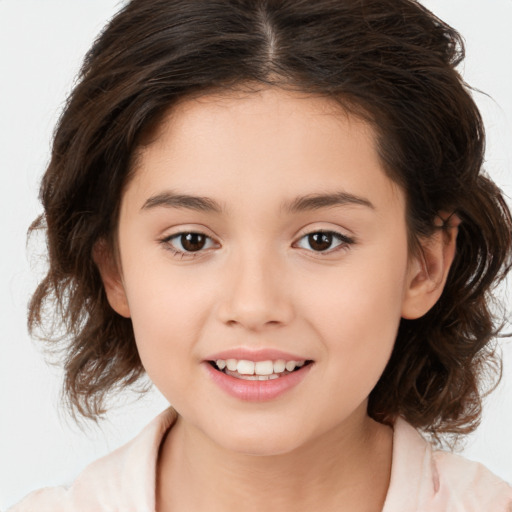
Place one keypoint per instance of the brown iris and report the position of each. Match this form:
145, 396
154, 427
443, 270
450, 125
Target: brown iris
320, 241
193, 241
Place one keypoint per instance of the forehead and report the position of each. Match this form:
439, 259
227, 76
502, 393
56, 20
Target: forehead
239, 144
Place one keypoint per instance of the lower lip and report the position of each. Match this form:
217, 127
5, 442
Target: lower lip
256, 390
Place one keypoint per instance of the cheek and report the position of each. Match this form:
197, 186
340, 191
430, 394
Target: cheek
167, 314
357, 316
364, 293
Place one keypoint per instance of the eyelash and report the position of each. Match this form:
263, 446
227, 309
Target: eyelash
344, 244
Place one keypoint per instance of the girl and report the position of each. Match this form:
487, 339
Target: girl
276, 210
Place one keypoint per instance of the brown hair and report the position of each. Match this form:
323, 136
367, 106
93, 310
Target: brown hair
390, 61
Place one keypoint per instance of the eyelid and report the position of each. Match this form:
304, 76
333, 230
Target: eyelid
326, 227
166, 242
345, 240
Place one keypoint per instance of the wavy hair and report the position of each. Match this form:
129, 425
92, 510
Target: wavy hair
391, 62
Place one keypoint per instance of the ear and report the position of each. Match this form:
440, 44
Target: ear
428, 270
111, 277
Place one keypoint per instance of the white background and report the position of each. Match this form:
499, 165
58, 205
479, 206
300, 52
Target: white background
42, 43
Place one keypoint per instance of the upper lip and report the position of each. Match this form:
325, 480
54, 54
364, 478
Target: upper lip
248, 354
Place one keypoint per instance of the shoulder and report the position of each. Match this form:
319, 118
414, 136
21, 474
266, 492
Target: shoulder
460, 480
123, 480
424, 479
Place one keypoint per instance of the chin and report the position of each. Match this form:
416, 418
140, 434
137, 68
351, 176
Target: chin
262, 447
268, 438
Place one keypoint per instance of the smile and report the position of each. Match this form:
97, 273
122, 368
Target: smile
257, 381
257, 370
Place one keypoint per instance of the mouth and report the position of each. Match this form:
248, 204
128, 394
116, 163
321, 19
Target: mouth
257, 376
244, 369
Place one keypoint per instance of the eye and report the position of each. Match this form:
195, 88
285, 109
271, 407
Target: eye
188, 243
324, 241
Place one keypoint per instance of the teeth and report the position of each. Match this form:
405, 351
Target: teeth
279, 366
258, 377
290, 365
259, 368
245, 367
264, 368
248, 377
231, 364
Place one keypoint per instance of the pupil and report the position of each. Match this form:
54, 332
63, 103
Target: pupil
320, 241
193, 241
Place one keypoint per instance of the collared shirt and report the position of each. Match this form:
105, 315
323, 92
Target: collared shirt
422, 479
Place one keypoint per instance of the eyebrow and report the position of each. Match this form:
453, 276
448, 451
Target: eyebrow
172, 200
317, 201
297, 205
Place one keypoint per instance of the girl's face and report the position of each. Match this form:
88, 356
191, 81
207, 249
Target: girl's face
263, 228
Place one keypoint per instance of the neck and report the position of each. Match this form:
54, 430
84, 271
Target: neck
347, 468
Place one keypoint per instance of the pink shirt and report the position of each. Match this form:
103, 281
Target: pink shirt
422, 480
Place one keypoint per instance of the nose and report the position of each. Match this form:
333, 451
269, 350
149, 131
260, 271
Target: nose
257, 295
